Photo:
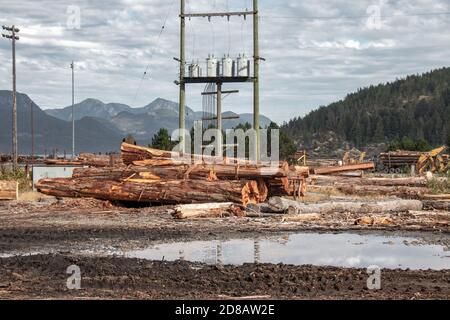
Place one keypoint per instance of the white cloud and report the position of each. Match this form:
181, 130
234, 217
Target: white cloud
316, 51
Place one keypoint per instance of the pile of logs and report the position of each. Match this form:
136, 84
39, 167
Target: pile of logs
400, 158
160, 177
88, 159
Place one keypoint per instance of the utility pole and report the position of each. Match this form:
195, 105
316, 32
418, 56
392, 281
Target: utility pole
13, 30
256, 79
72, 66
182, 123
32, 134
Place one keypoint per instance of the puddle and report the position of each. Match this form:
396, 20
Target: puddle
340, 250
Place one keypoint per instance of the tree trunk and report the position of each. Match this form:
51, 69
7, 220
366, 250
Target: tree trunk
162, 192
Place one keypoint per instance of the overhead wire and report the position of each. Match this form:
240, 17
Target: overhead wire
153, 51
355, 17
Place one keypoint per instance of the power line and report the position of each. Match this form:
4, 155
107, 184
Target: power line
356, 16
156, 46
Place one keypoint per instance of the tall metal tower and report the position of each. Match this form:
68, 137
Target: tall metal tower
220, 79
13, 30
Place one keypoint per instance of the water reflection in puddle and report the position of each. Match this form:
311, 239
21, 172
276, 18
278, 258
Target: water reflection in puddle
341, 250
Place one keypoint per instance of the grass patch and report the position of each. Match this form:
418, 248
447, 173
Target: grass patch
440, 185
16, 175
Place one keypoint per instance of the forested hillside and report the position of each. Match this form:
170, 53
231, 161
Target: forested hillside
417, 107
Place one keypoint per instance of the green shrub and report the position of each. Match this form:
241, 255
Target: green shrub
16, 175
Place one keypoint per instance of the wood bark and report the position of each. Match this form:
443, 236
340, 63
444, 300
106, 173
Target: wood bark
9, 190
282, 205
162, 191
183, 171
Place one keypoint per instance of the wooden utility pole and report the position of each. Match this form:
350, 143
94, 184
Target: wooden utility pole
13, 30
72, 66
32, 134
256, 58
182, 115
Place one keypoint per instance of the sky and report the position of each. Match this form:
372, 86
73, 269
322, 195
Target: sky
316, 52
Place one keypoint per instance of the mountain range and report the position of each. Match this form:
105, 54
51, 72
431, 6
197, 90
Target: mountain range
99, 127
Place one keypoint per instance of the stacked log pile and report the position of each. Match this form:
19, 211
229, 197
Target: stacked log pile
88, 159
156, 176
400, 158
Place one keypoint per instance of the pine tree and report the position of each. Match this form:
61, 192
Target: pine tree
162, 140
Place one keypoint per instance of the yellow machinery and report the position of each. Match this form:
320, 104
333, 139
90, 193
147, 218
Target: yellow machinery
348, 159
434, 161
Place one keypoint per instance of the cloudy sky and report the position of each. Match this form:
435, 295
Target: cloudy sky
316, 51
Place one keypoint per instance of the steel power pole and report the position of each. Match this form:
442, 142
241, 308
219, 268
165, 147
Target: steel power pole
13, 30
72, 66
182, 122
256, 58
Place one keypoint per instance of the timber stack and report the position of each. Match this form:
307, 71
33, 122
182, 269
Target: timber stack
162, 177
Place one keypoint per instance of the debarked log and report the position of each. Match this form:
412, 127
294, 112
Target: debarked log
282, 205
337, 169
206, 210
156, 191
399, 191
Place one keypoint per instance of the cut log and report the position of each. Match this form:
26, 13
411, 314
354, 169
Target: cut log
183, 171
301, 217
388, 182
206, 210
9, 190
336, 169
437, 205
138, 155
88, 159
350, 174
371, 221
282, 205
436, 197
400, 191
161, 192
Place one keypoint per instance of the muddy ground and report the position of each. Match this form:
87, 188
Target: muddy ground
70, 226
44, 276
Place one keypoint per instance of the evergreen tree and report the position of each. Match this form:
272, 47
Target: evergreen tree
162, 141
129, 139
